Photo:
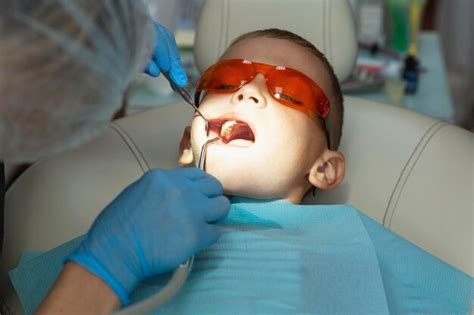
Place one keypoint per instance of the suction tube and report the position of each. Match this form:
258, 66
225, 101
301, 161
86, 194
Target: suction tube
176, 282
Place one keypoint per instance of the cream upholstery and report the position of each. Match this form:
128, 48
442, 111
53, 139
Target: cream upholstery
328, 24
412, 173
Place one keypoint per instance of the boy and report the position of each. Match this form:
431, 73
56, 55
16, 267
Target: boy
276, 104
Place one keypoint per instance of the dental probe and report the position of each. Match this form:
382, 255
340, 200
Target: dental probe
179, 276
202, 158
185, 95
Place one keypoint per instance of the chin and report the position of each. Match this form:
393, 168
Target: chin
243, 182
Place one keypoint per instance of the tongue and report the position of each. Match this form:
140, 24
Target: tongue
239, 131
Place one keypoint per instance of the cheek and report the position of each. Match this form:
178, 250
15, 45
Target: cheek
295, 128
296, 141
214, 102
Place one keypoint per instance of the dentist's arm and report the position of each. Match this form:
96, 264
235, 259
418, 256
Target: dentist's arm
152, 227
77, 291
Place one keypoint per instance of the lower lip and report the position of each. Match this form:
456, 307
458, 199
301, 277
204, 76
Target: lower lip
238, 143
241, 143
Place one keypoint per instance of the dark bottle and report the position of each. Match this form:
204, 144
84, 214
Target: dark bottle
410, 74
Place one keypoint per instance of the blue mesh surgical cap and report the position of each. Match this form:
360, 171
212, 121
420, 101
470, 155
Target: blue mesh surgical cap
64, 68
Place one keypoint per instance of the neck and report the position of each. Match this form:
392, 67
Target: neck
297, 194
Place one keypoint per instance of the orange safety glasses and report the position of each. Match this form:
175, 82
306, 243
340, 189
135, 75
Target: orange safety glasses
286, 85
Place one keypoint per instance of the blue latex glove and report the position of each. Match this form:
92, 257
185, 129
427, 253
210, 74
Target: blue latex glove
152, 227
166, 56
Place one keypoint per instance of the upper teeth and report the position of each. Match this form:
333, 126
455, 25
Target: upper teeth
227, 128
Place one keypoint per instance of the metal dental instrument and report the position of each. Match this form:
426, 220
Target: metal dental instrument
177, 280
179, 276
202, 158
185, 95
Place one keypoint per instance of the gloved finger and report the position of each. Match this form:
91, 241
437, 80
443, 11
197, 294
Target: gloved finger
210, 186
162, 50
210, 235
177, 72
216, 209
191, 173
152, 69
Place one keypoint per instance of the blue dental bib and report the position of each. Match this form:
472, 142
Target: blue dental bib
277, 257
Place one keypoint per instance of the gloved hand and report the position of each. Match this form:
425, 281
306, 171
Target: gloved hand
166, 56
152, 227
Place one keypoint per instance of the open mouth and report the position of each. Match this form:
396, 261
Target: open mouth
232, 130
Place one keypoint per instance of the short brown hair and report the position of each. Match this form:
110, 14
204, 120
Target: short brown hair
333, 123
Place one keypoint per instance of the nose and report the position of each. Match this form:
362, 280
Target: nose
252, 92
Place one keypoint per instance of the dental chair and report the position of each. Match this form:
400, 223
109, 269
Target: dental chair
411, 173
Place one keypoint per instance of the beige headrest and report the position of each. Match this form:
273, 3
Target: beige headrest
328, 24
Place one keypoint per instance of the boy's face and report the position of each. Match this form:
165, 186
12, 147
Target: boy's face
288, 146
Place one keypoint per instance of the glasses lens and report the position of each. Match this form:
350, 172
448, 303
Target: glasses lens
292, 89
226, 76
288, 86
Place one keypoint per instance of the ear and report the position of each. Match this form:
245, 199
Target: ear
328, 171
186, 156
